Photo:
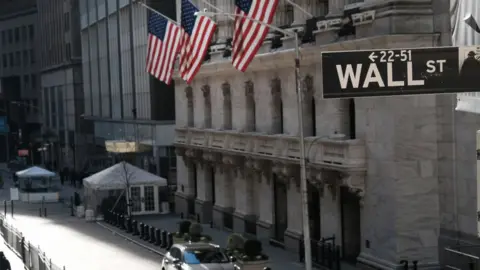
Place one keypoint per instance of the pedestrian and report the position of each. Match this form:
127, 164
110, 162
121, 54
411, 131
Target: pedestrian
4, 263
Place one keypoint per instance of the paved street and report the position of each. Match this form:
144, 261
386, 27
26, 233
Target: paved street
76, 244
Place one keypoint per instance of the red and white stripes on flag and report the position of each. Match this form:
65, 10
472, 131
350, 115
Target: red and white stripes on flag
249, 35
164, 43
197, 35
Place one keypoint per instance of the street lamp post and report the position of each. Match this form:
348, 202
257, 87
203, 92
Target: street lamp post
303, 169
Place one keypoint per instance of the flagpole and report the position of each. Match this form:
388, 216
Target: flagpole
300, 8
155, 11
303, 165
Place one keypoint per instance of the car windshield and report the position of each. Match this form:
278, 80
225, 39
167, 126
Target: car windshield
199, 256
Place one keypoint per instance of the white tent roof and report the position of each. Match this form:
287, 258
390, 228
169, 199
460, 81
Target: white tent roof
117, 176
35, 172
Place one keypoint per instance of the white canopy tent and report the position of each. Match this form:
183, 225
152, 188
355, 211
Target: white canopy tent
37, 184
143, 187
34, 172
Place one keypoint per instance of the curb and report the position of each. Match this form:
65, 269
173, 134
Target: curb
130, 239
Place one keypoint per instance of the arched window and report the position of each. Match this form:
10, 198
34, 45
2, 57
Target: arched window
207, 113
277, 106
227, 106
250, 105
189, 96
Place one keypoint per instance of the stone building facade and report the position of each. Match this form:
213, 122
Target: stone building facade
380, 170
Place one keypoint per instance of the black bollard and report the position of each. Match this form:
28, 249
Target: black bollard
471, 266
129, 225
415, 265
198, 218
211, 224
152, 234
5, 207
142, 230
122, 222
11, 207
405, 264
134, 227
158, 241
163, 239
146, 234
119, 221
40, 212
181, 215
71, 206
113, 219
45, 212
267, 268
169, 240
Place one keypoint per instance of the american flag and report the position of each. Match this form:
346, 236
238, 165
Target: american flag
198, 32
164, 43
248, 35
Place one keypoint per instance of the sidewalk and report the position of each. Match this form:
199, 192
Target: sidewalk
279, 258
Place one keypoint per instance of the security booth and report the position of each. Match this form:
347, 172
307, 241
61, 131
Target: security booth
37, 184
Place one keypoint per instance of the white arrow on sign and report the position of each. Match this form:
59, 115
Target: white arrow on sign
372, 57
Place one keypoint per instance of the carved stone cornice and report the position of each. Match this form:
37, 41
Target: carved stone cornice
180, 151
212, 157
287, 173
355, 181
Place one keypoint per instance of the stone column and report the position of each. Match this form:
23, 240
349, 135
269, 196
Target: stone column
335, 7
225, 189
264, 199
203, 201
224, 24
294, 232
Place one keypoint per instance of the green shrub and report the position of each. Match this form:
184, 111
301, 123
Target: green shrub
235, 242
196, 230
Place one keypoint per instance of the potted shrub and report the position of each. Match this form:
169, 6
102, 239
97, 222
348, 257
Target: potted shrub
235, 244
196, 234
183, 229
252, 257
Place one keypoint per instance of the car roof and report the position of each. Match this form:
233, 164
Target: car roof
197, 245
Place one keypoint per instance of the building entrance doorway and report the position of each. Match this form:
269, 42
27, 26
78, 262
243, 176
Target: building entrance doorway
350, 214
280, 208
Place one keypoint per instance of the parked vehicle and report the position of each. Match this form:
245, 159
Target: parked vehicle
196, 256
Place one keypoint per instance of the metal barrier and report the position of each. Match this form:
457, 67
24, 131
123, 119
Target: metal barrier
324, 253
462, 260
32, 257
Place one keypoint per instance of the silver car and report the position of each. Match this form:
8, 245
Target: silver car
196, 256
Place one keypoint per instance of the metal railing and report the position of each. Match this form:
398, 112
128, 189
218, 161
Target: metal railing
324, 253
459, 258
33, 257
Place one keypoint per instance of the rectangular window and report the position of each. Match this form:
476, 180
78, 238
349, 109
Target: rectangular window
34, 81
17, 35
10, 36
25, 58
31, 32
32, 56
10, 58
18, 59
67, 21
26, 81
5, 60
24, 33
68, 51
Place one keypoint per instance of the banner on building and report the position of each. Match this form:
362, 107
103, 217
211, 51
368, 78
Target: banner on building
465, 22
436, 70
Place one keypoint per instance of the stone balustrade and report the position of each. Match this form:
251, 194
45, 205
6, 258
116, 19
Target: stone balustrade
323, 152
